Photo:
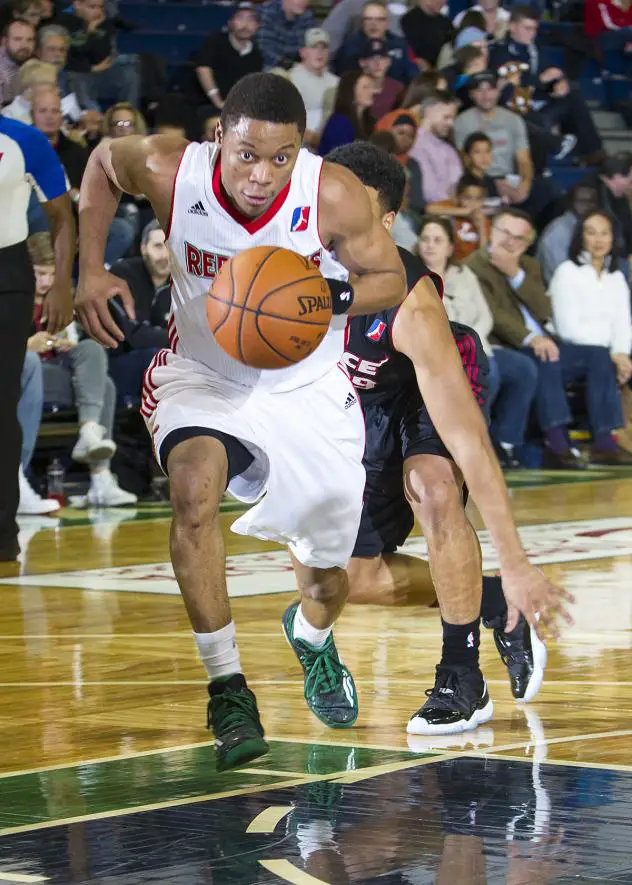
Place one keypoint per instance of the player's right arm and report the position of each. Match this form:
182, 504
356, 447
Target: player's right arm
422, 332
134, 165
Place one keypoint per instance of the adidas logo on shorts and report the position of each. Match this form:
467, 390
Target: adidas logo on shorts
198, 209
350, 401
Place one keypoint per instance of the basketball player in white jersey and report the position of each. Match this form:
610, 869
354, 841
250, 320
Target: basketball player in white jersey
295, 434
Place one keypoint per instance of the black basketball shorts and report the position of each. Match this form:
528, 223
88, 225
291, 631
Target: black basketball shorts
398, 427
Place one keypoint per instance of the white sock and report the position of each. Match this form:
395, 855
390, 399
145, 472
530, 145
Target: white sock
303, 630
219, 652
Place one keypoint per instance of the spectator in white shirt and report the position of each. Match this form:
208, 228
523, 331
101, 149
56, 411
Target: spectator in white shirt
590, 296
315, 82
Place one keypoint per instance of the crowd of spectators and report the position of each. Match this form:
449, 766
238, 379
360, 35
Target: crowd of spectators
470, 111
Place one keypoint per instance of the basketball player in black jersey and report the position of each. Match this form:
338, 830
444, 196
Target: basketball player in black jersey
412, 471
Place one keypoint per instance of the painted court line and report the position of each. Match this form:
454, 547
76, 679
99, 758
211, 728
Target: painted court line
21, 877
289, 873
268, 819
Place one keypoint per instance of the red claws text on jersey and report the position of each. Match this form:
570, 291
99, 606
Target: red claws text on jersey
202, 263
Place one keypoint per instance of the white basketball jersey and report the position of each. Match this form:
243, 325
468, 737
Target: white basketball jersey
205, 231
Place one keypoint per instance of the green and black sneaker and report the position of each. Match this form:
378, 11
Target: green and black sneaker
329, 688
234, 718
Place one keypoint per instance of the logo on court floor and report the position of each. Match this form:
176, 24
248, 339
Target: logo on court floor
300, 219
255, 574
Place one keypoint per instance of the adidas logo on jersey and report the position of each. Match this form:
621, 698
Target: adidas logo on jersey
198, 209
350, 401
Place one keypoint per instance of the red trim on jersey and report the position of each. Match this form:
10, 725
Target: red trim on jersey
467, 350
320, 178
173, 195
251, 225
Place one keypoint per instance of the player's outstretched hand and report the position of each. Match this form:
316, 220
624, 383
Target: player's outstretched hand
91, 305
529, 591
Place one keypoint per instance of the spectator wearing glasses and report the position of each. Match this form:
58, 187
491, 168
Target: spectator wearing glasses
374, 27
513, 286
346, 16
513, 377
118, 121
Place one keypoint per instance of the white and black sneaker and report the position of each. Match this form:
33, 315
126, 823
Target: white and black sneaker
524, 656
458, 702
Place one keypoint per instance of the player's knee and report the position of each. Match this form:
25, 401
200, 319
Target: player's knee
196, 486
433, 490
325, 585
362, 573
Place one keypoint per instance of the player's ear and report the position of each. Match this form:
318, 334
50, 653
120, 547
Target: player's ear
219, 133
388, 220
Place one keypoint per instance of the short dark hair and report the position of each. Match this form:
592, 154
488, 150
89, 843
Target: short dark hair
148, 230
420, 87
15, 21
473, 138
618, 164
473, 18
521, 11
439, 97
514, 212
266, 97
469, 180
375, 168
466, 55
577, 242
384, 140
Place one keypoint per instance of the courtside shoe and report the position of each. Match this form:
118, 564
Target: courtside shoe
329, 688
105, 491
92, 444
524, 655
458, 702
234, 718
32, 504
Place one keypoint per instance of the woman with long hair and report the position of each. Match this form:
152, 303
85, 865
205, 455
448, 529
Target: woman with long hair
591, 301
351, 119
512, 376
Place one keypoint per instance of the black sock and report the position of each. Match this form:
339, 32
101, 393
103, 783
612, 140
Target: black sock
493, 603
460, 644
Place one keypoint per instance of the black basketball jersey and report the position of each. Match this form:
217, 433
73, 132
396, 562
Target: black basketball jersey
375, 367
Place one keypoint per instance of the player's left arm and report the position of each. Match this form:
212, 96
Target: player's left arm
422, 332
360, 241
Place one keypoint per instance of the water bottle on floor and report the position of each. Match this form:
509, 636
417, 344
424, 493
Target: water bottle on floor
55, 481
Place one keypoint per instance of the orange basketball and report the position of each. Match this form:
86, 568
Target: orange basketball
269, 307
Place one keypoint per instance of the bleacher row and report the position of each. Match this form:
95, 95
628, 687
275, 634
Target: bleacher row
175, 31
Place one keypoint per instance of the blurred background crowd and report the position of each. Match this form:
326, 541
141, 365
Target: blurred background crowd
510, 122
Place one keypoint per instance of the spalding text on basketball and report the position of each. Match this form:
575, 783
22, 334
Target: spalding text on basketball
310, 303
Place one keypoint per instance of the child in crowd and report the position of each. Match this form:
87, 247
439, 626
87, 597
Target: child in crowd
466, 209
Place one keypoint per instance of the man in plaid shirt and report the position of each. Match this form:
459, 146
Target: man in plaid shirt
17, 45
282, 26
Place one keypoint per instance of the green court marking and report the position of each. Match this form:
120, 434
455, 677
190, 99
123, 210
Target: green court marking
530, 479
140, 513
101, 787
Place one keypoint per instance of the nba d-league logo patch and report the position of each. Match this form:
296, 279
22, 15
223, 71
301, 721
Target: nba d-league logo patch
376, 331
300, 219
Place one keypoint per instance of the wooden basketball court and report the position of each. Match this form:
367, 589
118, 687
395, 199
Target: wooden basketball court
107, 775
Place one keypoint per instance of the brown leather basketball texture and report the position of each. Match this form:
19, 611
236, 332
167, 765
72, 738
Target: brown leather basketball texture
269, 307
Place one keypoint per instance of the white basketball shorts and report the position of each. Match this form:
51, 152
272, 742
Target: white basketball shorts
307, 474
